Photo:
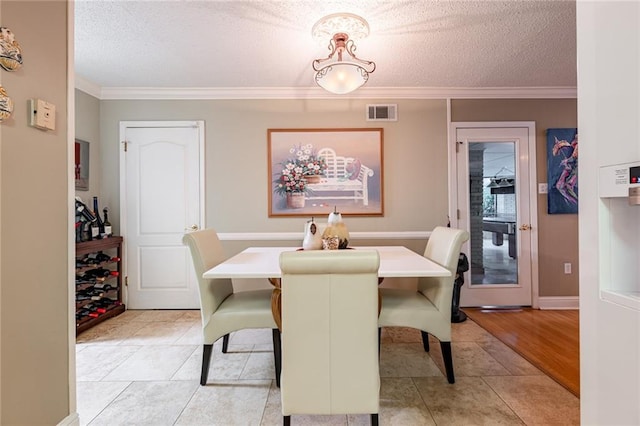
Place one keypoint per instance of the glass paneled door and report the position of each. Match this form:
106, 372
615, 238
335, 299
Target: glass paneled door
493, 183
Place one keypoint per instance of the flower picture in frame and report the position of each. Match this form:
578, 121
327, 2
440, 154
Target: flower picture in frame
314, 171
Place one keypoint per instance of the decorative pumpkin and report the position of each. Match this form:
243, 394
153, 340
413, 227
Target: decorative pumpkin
337, 228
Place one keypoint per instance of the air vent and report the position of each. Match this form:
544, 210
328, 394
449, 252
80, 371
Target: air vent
382, 112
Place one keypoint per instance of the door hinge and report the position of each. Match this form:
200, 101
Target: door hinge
124, 143
458, 213
126, 281
458, 143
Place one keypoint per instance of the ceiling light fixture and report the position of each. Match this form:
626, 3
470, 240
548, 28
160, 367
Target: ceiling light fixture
333, 74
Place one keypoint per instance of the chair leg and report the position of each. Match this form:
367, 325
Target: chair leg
448, 361
225, 343
425, 340
277, 354
206, 360
286, 420
374, 419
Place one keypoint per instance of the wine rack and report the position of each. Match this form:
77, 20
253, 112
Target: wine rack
98, 297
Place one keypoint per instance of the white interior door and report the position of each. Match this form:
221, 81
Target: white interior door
161, 199
495, 169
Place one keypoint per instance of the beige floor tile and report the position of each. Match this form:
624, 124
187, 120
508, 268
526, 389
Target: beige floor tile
469, 360
538, 400
517, 365
96, 361
401, 403
406, 360
227, 366
272, 415
404, 334
260, 365
109, 332
191, 368
162, 315
192, 315
193, 335
385, 337
470, 401
93, 397
126, 316
151, 363
252, 336
157, 333
147, 403
227, 403
469, 331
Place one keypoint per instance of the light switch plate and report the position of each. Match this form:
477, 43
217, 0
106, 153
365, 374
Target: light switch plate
543, 188
42, 114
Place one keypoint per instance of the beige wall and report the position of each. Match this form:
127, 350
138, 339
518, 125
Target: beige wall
87, 127
557, 234
415, 152
415, 163
34, 279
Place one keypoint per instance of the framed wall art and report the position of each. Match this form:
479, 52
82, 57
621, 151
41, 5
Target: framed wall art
562, 170
81, 166
314, 171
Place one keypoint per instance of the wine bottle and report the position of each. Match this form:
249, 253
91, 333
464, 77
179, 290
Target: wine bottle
96, 211
86, 218
107, 224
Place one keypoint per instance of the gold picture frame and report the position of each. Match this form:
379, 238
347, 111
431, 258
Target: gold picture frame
314, 171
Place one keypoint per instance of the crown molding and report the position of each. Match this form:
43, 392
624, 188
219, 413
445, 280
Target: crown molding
88, 87
226, 93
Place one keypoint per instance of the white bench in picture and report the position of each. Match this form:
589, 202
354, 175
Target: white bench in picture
345, 179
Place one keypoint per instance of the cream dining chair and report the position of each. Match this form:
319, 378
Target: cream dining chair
223, 310
330, 333
429, 308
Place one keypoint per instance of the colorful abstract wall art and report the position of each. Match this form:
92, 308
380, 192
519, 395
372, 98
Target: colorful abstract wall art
562, 170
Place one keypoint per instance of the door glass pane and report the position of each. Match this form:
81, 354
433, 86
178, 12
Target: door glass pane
492, 206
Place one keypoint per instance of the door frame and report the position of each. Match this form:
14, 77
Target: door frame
124, 125
533, 185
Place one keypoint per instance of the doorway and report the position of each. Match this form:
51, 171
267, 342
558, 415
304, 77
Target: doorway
493, 174
161, 198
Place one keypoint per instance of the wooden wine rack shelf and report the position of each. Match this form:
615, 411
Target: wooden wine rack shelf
112, 245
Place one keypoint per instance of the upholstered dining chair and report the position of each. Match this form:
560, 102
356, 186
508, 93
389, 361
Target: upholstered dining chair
429, 308
330, 333
223, 310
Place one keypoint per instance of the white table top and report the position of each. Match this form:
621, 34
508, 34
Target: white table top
264, 262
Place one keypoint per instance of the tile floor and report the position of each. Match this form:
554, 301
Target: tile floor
143, 368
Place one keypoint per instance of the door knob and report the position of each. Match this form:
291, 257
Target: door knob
193, 227
525, 227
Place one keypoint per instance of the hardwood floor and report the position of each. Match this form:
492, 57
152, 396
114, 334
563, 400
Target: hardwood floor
547, 339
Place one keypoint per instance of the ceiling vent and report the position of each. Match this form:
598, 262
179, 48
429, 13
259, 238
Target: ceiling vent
382, 112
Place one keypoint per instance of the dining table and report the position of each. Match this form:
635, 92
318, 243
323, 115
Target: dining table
264, 262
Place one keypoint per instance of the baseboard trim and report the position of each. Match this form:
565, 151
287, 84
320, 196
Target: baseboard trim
298, 236
72, 419
559, 302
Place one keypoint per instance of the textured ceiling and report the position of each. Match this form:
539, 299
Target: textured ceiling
268, 44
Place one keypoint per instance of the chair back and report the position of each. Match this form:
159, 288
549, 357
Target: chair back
443, 247
207, 252
330, 332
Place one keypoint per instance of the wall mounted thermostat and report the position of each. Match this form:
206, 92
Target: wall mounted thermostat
42, 114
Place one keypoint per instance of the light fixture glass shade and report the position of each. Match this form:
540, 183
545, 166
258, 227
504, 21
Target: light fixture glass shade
341, 77
332, 73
